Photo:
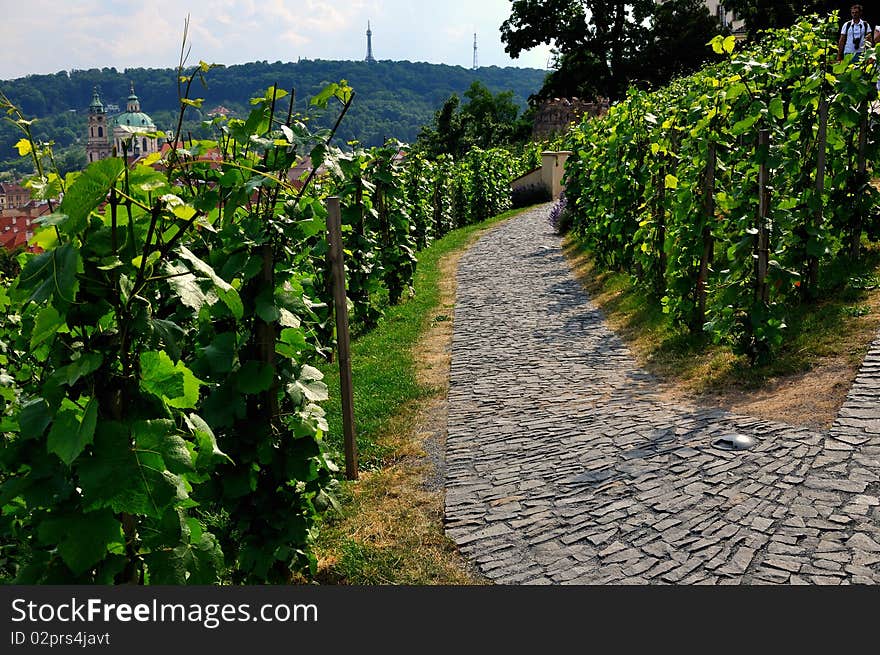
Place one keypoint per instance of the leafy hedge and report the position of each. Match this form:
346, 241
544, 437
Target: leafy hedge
667, 183
160, 409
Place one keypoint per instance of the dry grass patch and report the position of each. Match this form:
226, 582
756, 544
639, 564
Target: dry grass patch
390, 530
805, 385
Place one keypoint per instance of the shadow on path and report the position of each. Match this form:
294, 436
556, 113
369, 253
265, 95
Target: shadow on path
564, 467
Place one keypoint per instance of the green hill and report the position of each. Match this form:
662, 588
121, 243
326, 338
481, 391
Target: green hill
393, 98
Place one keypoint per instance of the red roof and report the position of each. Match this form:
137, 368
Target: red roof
36, 208
13, 240
17, 225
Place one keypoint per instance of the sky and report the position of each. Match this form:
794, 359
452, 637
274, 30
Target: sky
48, 36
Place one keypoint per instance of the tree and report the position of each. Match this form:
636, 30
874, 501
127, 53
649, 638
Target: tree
677, 42
765, 14
600, 47
484, 120
488, 120
445, 136
594, 41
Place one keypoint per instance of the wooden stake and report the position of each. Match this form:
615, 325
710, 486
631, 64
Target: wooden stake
660, 218
821, 142
762, 264
334, 233
862, 178
708, 243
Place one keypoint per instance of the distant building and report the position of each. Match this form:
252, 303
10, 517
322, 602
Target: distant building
13, 241
13, 196
129, 128
98, 141
212, 155
219, 110
727, 18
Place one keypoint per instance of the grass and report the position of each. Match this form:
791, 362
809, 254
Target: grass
389, 527
839, 325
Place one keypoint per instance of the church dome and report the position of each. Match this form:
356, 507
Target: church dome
134, 119
133, 116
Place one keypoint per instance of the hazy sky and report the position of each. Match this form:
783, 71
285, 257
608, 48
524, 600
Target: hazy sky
47, 36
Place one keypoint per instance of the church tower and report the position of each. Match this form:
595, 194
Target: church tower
134, 104
98, 142
369, 58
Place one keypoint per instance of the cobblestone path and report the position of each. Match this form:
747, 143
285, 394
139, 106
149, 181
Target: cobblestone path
562, 465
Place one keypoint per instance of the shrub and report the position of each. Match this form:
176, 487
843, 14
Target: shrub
560, 216
531, 194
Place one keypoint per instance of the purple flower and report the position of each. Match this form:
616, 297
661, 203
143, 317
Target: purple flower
556, 213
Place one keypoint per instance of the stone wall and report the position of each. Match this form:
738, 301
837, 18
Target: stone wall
556, 115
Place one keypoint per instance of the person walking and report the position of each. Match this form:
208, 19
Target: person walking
854, 34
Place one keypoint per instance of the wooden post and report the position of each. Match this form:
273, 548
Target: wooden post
822, 142
660, 219
762, 290
708, 243
861, 180
266, 335
361, 291
334, 233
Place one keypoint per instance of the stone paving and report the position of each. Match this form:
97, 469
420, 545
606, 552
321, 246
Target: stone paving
564, 467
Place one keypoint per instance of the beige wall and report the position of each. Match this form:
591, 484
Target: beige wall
552, 170
549, 175
529, 179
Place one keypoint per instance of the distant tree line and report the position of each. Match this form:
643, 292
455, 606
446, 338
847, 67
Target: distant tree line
393, 99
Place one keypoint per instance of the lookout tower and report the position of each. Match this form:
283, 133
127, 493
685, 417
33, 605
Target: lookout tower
369, 59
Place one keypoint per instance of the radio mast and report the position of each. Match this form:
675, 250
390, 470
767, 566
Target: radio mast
475, 51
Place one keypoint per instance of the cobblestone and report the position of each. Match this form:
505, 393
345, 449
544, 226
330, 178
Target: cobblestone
563, 466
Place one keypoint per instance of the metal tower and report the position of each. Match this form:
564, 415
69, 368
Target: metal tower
369, 59
475, 51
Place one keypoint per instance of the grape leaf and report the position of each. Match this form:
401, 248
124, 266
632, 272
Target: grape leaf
124, 479
83, 539
72, 430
